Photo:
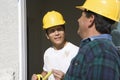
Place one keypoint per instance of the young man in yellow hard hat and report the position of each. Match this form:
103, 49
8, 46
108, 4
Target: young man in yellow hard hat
57, 58
97, 59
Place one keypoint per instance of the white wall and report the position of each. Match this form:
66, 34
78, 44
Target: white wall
9, 54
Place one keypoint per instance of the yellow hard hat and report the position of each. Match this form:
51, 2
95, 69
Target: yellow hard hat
106, 8
52, 18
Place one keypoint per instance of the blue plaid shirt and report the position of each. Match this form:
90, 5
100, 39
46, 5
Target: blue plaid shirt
97, 59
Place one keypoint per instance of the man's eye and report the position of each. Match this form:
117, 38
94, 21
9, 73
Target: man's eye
60, 29
52, 31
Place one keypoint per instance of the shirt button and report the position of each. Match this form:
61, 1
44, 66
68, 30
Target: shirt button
76, 63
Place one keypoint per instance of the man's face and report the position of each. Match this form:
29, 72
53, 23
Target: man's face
56, 35
83, 22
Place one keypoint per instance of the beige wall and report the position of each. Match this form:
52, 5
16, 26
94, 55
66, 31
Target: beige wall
9, 54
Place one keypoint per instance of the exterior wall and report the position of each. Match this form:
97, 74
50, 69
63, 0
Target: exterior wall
116, 35
9, 54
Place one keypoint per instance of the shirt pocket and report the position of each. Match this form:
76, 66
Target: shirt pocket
75, 68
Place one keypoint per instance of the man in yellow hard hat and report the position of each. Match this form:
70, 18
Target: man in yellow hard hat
98, 58
57, 58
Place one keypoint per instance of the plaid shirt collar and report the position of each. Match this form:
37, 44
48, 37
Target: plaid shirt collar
105, 36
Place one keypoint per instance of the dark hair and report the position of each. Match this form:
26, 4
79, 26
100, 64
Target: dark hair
55, 26
103, 24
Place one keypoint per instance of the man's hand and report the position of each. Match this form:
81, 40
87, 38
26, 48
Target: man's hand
34, 77
58, 74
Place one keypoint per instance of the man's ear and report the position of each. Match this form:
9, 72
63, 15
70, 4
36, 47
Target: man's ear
47, 36
91, 19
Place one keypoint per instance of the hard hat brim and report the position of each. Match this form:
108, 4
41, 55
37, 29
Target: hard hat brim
80, 7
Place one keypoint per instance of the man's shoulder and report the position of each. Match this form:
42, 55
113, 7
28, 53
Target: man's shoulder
49, 50
72, 45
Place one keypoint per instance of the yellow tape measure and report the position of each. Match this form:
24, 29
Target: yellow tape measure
40, 77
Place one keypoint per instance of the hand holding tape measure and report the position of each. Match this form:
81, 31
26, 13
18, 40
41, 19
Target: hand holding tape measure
40, 77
